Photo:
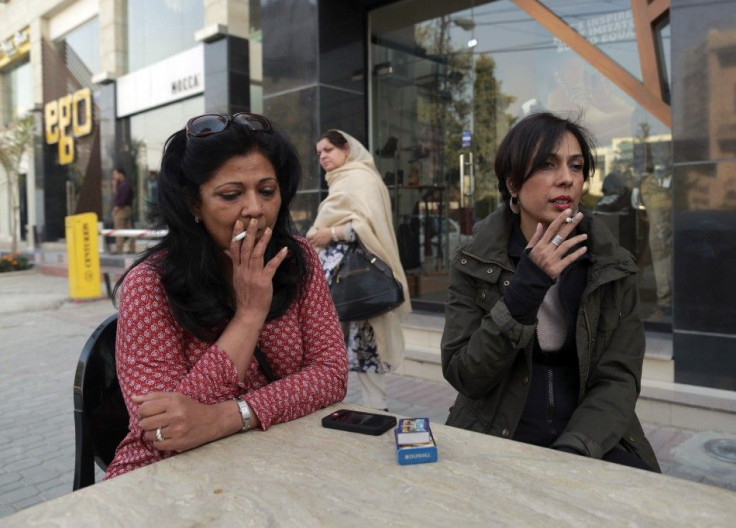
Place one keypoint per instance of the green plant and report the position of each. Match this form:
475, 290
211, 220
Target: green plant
14, 262
15, 140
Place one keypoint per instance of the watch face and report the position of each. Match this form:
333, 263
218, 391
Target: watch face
244, 413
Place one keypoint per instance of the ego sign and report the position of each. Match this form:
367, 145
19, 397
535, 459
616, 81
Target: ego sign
66, 118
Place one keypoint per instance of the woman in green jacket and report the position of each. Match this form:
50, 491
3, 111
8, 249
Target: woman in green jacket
543, 339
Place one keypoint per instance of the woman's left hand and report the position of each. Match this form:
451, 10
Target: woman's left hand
549, 248
321, 237
185, 423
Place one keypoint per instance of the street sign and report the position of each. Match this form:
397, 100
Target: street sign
466, 138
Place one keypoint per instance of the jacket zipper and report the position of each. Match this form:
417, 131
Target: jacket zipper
588, 350
551, 400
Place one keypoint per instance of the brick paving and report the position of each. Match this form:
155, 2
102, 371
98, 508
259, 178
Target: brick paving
42, 333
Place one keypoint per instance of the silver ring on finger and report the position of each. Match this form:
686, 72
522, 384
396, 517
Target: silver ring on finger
557, 240
159, 435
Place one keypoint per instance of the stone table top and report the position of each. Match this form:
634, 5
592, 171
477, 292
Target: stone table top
301, 474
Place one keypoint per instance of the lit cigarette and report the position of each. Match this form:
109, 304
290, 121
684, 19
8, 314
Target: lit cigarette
239, 236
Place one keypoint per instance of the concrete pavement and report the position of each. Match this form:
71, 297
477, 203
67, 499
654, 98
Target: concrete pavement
42, 334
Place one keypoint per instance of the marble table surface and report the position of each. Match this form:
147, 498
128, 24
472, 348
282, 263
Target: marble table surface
301, 474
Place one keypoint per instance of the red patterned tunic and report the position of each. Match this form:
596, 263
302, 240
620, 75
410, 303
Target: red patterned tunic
304, 346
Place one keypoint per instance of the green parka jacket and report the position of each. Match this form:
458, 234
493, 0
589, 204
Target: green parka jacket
487, 355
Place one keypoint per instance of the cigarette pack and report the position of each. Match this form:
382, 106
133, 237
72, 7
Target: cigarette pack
415, 442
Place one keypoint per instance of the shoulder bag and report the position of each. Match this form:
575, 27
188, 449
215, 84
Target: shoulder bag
363, 286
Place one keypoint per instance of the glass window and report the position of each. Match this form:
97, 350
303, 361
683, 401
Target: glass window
83, 48
446, 86
148, 133
609, 24
18, 91
158, 29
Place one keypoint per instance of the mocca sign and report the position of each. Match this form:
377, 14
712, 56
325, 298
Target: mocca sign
67, 118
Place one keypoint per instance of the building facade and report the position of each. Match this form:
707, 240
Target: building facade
431, 87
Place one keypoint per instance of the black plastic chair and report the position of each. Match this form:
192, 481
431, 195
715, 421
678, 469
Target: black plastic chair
100, 415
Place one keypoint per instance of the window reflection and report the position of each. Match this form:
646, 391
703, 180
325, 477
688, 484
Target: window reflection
440, 108
158, 29
148, 133
83, 46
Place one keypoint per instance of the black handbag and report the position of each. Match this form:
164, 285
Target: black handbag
363, 286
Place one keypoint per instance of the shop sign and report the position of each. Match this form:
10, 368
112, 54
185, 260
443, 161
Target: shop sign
67, 118
83, 256
169, 80
15, 48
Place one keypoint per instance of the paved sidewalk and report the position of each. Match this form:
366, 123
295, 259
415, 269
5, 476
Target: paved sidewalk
42, 334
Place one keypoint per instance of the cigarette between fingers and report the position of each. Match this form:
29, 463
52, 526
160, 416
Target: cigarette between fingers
239, 236
568, 220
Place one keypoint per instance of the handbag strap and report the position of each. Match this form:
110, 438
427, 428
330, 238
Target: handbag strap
265, 366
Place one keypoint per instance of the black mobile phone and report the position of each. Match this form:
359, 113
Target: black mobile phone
359, 422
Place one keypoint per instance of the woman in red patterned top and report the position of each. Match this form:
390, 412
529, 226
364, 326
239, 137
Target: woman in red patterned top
227, 282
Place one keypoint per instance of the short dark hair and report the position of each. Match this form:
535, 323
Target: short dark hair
120, 170
334, 137
197, 290
528, 144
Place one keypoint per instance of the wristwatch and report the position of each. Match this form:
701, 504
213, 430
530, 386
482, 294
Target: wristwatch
245, 413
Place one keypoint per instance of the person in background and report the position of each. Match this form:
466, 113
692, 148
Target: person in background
226, 324
358, 204
122, 211
543, 339
617, 212
656, 195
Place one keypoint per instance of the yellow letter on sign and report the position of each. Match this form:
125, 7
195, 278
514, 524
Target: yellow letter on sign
66, 140
51, 113
82, 97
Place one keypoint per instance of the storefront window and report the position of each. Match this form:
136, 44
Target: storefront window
148, 133
158, 29
447, 86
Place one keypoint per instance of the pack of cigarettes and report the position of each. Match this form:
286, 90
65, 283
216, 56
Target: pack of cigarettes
414, 441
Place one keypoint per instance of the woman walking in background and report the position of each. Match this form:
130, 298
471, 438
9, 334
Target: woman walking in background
543, 339
358, 204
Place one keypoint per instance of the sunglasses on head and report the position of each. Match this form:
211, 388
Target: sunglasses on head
208, 124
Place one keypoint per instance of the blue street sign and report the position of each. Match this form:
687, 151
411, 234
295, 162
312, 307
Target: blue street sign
466, 138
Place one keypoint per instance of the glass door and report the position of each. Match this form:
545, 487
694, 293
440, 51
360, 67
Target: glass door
433, 104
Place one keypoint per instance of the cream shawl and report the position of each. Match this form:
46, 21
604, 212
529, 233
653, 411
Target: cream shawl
357, 194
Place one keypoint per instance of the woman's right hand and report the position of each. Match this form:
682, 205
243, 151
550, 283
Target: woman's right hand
549, 249
252, 278
253, 290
